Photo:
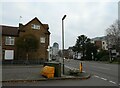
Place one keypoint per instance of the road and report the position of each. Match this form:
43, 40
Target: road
101, 75
93, 81
98, 70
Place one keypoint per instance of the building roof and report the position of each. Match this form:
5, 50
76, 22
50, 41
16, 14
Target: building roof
46, 26
14, 31
9, 30
99, 38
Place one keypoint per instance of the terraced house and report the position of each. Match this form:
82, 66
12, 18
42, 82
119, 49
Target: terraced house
11, 35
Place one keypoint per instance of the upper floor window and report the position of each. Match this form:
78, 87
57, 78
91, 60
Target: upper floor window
9, 40
42, 39
35, 26
103, 42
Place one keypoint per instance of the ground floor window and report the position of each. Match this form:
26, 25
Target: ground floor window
9, 54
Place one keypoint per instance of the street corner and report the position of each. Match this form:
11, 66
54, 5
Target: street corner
85, 75
80, 76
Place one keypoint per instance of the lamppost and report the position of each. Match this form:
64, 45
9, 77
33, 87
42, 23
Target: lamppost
63, 40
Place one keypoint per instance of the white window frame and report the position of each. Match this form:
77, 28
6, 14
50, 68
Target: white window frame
103, 43
35, 26
42, 39
9, 54
9, 40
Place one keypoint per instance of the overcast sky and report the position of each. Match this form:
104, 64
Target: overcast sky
88, 17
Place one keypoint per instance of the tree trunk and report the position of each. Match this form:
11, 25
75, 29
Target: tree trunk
83, 54
27, 58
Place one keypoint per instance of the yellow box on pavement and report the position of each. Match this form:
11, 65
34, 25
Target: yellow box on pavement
48, 71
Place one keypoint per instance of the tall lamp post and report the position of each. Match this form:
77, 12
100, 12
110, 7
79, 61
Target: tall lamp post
63, 40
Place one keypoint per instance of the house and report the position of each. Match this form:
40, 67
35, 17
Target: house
71, 52
10, 35
41, 33
101, 44
66, 53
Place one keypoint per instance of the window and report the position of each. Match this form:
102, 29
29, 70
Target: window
35, 26
103, 42
9, 54
9, 41
42, 40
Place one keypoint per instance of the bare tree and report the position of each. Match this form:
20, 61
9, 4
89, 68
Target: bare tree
113, 35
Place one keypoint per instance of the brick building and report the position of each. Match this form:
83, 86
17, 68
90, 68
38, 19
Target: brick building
11, 34
101, 44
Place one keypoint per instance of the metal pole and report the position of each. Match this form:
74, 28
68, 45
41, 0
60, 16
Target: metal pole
63, 40
63, 44
109, 55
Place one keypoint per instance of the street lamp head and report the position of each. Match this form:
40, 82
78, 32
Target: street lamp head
63, 17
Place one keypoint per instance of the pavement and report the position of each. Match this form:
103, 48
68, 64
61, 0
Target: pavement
29, 73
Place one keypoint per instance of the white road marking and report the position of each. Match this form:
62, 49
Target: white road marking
119, 84
103, 79
83, 71
112, 82
97, 76
69, 67
72, 68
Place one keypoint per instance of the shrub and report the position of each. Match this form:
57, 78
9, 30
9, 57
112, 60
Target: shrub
104, 58
103, 55
74, 72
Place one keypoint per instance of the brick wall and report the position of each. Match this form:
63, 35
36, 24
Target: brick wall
41, 52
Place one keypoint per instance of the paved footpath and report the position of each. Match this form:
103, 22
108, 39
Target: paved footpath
29, 73
21, 72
